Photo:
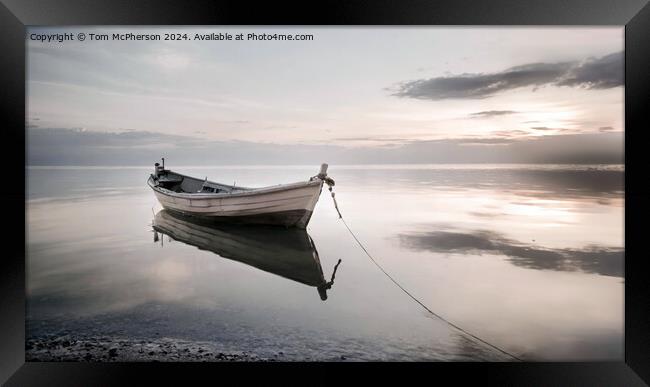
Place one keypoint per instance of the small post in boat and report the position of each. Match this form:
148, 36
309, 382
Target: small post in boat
323, 171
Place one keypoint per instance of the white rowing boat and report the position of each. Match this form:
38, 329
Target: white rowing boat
289, 205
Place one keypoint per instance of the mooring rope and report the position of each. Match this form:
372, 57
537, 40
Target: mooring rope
408, 293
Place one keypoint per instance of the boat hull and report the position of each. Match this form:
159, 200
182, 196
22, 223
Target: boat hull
289, 205
293, 218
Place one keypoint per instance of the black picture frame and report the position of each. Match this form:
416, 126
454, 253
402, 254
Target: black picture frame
15, 15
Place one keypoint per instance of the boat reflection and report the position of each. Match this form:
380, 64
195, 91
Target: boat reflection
289, 253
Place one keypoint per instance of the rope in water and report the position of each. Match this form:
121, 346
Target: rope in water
408, 293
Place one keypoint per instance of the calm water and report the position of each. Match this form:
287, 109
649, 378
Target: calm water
529, 258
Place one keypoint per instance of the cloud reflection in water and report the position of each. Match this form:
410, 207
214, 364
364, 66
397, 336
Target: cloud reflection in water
601, 260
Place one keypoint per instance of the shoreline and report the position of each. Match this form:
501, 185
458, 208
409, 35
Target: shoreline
121, 349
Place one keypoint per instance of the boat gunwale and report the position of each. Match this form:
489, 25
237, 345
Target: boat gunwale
247, 191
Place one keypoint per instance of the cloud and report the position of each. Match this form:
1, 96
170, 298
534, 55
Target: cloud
47, 146
485, 141
546, 128
511, 133
590, 259
233, 121
605, 129
601, 73
491, 113
592, 73
375, 139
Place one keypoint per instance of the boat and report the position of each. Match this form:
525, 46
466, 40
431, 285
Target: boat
289, 253
289, 205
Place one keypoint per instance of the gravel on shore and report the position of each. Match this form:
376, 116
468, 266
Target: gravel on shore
112, 349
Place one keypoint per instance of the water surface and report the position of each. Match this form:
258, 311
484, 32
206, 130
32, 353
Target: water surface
529, 258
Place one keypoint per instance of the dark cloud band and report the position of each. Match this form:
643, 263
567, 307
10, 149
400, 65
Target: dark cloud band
593, 73
491, 113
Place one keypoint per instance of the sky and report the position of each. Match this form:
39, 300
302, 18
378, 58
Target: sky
355, 88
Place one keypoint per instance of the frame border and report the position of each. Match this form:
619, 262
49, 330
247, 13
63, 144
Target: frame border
15, 15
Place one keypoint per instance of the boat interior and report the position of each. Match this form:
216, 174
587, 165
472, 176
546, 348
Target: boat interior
185, 184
